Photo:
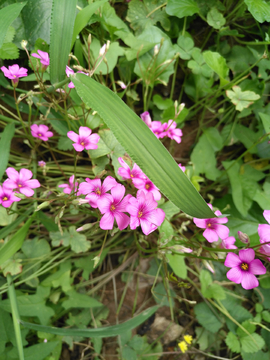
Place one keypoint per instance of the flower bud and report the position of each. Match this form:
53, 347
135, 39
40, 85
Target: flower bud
86, 227
209, 266
181, 249
243, 237
102, 50
89, 39
156, 50
43, 205
24, 44
19, 195
96, 260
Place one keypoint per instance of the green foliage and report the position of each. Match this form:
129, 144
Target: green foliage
138, 346
184, 47
182, 8
210, 290
259, 9
177, 263
72, 238
215, 19
241, 99
5, 142
207, 318
232, 342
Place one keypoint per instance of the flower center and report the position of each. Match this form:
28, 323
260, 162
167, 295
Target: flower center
98, 192
147, 186
209, 225
5, 198
19, 185
112, 208
131, 175
140, 214
39, 135
82, 143
244, 266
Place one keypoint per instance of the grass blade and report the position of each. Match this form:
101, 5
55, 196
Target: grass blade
62, 23
105, 331
5, 142
14, 244
15, 316
83, 18
142, 146
7, 15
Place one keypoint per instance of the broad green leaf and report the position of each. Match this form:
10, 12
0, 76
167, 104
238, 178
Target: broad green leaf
247, 137
12, 267
161, 295
170, 209
203, 155
259, 355
143, 147
215, 18
251, 328
218, 64
62, 24
138, 15
184, 46
210, 290
60, 278
5, 142
105, 331
83, 17
15, 243
40, 351
162, 104
87, 263
232, 342
266, 122
182, 8
9, 51
242, 99
35, 248
177, 263
207, 318
4, 217
250, 346
198, 65
46, 221
32, 305
259, 9
77, 300
7, 229
139, 45
64, 143
78, 242
7, 15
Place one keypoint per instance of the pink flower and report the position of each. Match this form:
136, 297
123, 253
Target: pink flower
183, 168
158, 129
113, 207
95, 190
69, 72
68, 188
126, 173
7, 197
44, 58
41, 132
147, 186
228, 243
84, 140
244, 268
213, 228
172, 132
21, 181
145, 116
264, 234
41, 163
143, 212
14, 72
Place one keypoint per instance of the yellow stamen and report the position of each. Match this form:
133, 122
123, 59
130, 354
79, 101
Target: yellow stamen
98, 192
82, 143
131, 175
39, 134
140, 214
5, 198
209, 225
112, 208
19, 185
244, 266
147, 186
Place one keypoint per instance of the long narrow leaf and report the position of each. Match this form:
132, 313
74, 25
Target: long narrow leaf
142, 146
97, 332
5, 142
83, 17
7, 15
62, 23
14, 244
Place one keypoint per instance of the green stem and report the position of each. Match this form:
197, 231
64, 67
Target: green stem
15, 316
174, 77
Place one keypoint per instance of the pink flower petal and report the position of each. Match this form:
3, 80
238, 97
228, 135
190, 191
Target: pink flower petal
27, 191
25, 174
222, 231
264, 232
78, 147
108, 183
256, 267
104, 203
266, 215
84, 131
147, 227
121, 219
235, 275
118, 193
201, 223
73, 136
12, 174
134, 222
93, 199
232, 260
210, 235
247, 255
249, 281
106, 222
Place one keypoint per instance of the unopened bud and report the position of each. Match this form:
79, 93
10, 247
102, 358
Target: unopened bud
209, 266
24, 44
243, 237
80, 201
181, 107
102, 50
121, 84
108, 45
43, 205
96, 260
86, 227
156, 49
19, 195
181, 249
89, 39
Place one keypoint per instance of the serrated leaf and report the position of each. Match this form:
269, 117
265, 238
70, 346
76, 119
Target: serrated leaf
78, 242
215, 19
12, 267
198, 65
232, 342
266, 122
10, 34
64, 143
62, 23
143, 146
259, 9
250, 346
241, 99
60, 239
7, 15
9, 51
251, 328
207, 318
210, 290
218, 64
182, 8
35, 248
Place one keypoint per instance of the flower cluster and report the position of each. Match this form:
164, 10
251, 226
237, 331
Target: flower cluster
17, 182
162, 130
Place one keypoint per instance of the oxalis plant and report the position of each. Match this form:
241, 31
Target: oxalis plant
91, 179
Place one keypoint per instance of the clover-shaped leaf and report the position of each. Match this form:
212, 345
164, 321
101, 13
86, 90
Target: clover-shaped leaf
241, 99
215, 18
78, 241
184, 47
198, 65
